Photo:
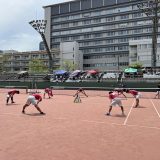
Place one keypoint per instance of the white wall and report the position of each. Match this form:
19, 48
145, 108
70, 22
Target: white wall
70, 51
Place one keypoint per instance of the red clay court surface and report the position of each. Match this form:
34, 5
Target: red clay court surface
79, 131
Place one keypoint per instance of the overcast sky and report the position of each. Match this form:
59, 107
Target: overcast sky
15, 32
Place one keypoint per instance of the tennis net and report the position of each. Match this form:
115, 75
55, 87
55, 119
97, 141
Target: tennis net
103, 91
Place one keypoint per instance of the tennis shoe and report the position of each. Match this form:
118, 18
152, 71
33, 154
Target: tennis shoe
23, 112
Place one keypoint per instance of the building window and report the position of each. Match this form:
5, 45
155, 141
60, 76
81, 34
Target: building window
86, 36
98, 42
86, 29
75, 38
109, 41
55, 46
75, 23
97, 13
98, 20
137, 15
86, 14
85, 44
110, 33
86, 22
64, 38
96, 35
124, 16
110, 19
65, 25
120, 48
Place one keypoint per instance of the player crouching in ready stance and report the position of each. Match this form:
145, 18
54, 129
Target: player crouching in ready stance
49, 92
77, 96
136, 95
10, 95
115, 100
32, 100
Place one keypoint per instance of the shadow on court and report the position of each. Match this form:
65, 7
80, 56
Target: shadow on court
34, 114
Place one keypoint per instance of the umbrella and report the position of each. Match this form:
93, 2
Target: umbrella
75, 73
130, 70
60, 72
23, 72
92, 71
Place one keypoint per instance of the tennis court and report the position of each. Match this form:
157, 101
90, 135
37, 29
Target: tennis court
80, 131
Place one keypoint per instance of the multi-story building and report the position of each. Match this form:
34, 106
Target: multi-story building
41, 46
103, 29
14, 61
141, 51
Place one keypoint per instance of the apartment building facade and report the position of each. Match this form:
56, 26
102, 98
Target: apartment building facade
141, 51
103, 29
14, 61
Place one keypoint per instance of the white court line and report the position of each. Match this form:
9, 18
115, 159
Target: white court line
155, 108
148, 127
3, 114
125, 122
117, 124
100, 122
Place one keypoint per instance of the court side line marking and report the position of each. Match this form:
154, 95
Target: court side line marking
125, 122
117, 124
99, 122
155, 108
148, 127
3, 114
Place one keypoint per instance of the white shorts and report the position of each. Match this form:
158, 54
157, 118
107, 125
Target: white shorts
138, 95
116, 101
31, 100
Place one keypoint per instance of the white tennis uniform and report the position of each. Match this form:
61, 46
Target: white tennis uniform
31, 100
115, 100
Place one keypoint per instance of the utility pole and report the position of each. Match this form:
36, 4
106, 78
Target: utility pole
118, 62
151, 8
39, 26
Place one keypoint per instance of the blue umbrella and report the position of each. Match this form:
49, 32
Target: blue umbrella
60, 72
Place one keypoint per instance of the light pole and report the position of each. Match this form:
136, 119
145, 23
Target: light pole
151, 8
39, 26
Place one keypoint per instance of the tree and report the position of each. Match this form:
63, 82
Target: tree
137, 65
37, 66
69, 66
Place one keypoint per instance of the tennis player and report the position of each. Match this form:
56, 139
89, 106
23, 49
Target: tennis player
120, 91
115, 100
158, 91
10, 95
33, 99
136, 95
49, 92
80, 90
77, 97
